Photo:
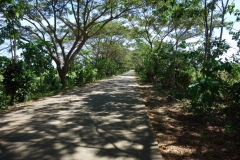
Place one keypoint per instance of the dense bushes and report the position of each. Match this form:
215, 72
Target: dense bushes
211, 85
17, 81
51, 81
20, 83
35, 76
232, 111
87, 71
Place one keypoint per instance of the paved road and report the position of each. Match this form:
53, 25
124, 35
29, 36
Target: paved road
102, 121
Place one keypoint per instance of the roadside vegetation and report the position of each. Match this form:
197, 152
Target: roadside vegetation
194, 103
177, 46
33, 74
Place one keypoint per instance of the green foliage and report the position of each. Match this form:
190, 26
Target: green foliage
3, 103
232, 111
210, 88
86, 74
106, 67
234, 93
18, 81
183, 80
146, 65
203, 92
68, 38
51, 80
159, 68
89, 72
11, 14
235, 34
82, 71
36, 57
4, 61
80, 77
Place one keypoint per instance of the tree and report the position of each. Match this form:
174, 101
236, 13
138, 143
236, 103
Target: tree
104, 54
235, 32
187, 24
68, 25
158, 21
4, 61
10, 16
151, 24
36, 57
110, 43
17, 81
223, 9
211, 21
150, 28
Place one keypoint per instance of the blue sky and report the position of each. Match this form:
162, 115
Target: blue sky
234, 49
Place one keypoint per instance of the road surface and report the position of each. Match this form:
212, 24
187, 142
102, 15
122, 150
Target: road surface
106, 120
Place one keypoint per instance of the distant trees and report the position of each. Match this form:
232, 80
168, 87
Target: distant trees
111, 44
104, 54
68, 25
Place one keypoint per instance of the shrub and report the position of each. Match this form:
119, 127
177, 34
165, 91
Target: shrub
18, 81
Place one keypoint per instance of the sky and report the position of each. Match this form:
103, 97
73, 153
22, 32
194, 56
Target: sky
233, 44
226, 34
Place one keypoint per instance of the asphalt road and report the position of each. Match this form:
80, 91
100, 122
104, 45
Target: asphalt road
106, 120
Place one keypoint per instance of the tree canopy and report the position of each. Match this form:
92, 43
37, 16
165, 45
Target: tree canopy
67, 25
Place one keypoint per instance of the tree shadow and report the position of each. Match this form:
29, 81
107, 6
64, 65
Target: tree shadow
105, 120
183, 135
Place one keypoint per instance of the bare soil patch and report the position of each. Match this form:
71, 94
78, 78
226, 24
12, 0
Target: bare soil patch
184, 135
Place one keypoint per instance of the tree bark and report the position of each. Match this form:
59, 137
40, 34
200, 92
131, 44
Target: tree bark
62, 72
208, 27
224, 8
206, 30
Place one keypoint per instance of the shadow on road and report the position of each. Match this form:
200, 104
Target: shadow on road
106, 120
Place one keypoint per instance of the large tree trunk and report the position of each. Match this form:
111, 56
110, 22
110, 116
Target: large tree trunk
62, 72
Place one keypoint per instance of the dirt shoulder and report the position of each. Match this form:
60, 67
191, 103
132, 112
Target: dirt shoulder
183, 135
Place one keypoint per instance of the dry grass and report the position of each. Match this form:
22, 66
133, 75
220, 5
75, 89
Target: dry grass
183, 135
